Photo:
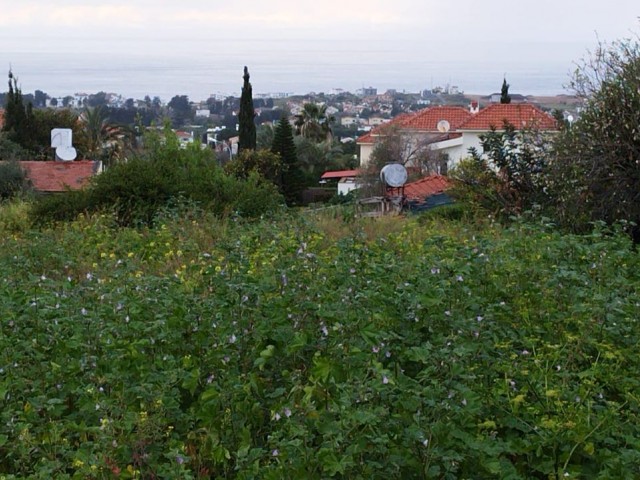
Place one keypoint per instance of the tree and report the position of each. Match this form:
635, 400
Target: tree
266, 164
313, 123
104, 140
292, 182
180, 109
246, 115
504, 92
98, 99
509, 176
18, 118
595, 173
395, 146
40, 99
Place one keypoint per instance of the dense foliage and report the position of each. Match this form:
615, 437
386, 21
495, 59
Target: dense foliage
595, 173
509, 176
283, 145
317, 349
13, 180
165, 174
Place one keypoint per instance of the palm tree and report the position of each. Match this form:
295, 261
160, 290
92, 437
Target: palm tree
104, 140
313, 123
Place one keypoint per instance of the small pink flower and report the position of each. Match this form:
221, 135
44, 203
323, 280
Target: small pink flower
385, 380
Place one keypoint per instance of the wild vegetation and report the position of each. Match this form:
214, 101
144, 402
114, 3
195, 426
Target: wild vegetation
317, 347
175, 321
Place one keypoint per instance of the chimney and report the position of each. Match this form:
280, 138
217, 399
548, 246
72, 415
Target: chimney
474, 107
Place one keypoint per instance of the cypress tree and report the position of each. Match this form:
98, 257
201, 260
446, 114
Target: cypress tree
504, 93
246, 115
18, 120
292, 181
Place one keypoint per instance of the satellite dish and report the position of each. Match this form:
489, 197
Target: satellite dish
61, 140
394, 175
443, 126
61, 137
66, 154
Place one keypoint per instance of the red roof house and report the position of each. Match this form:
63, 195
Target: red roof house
51, 177
452, 131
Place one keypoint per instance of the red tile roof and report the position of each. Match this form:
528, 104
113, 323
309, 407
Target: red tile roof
58, 176
366, 138
1, 118
428, 118
340, 174
519, 115
425, 187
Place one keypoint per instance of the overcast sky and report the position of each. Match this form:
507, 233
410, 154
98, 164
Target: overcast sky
554, 31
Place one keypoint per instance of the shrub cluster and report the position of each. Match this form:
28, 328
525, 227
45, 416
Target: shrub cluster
134, 191
13, 179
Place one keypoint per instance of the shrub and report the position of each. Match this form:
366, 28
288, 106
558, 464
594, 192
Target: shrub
14, 217
136, 191
595, 175
13, 179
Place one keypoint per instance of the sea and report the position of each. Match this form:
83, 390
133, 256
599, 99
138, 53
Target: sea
201, 71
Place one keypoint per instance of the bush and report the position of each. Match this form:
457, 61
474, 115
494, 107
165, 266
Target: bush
14, 217
137, 190
454, 211
595, 175
13, 179
60, 207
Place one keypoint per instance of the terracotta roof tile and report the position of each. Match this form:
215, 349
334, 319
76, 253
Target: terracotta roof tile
58, 176
428, 118
425, 187
366, 138
341, 174
519, 115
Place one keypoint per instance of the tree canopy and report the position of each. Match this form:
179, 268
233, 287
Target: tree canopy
596, 170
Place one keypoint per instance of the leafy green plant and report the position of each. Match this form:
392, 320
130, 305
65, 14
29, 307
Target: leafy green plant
303, 347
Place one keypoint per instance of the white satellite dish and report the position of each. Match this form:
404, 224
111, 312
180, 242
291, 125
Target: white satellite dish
394, 175
61, 140
443, 126
66, 154
61, 137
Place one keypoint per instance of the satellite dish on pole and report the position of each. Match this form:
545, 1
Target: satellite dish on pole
394, 175
61, 140
443, 126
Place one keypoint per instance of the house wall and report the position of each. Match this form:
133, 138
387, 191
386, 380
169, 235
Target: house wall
365, 153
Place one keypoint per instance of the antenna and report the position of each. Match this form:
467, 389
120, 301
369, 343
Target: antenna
443, 126
394, 175
61, 140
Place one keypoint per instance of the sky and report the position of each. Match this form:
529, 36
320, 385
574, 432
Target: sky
529, 34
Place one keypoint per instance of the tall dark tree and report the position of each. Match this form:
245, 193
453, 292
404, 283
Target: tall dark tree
292, 182
247, 126
504, 92
18, 118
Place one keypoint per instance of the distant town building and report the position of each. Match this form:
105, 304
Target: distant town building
368, 92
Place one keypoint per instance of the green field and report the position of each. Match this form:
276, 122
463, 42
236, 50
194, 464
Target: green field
311, 348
